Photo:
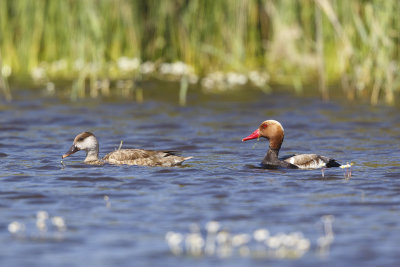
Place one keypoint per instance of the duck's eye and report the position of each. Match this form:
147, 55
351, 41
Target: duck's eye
80, 139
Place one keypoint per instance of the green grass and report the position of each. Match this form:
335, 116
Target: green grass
354, 44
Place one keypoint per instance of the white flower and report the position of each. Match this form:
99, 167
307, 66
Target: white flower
165, 68
59, 65
214, 80
147, 67
50, 88
234, 78
38, 74
258, 79
128, 64
79, 64
193, 78
6, 71
207, 83
177, 69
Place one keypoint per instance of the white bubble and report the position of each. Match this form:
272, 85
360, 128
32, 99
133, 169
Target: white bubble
15, 227
260, 235
194, 243
173, 239
212, 226
59, 222
303, 244
41, 225
240, 239
42, 215
273, 242
244, 251
223, 237
194, 227
288, 241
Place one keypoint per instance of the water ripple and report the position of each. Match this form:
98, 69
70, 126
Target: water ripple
124, 212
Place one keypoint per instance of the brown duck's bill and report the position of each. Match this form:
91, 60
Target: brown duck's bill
254, 135
72, 150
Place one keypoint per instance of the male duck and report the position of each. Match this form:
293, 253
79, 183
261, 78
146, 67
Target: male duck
273, 131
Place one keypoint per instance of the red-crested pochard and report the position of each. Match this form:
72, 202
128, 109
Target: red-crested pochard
88, 142
273, 131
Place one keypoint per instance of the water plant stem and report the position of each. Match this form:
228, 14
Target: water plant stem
353, 43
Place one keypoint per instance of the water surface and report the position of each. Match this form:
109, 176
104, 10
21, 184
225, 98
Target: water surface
220, 183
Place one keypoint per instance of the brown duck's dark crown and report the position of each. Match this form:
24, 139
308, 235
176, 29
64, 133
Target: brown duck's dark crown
82, 136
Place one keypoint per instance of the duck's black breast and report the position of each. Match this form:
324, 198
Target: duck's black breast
278, 165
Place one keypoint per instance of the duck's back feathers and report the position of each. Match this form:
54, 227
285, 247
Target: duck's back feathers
144, 157
311, 161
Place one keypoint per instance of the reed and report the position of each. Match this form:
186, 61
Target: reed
314, 43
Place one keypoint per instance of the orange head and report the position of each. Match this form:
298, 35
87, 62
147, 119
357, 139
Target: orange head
270, 129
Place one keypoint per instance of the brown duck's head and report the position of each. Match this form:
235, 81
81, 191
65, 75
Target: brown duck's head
270, 129
83, 141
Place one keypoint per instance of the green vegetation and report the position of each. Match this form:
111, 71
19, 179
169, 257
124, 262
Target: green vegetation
353, 45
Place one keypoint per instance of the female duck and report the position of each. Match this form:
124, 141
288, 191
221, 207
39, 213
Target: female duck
87, 141
273, 131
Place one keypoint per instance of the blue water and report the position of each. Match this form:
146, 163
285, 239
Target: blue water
221, 183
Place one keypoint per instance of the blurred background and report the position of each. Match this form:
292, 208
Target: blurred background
91, 48
196, 76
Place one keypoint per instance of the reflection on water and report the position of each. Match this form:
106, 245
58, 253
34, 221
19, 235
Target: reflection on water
109, 215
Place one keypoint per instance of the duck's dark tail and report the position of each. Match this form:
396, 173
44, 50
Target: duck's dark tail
333, 163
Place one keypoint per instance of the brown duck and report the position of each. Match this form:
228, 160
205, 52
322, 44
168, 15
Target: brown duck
273, 131
88, 142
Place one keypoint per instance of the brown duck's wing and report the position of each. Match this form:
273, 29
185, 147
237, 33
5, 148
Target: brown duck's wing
143, 157
311, 161
95, 162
